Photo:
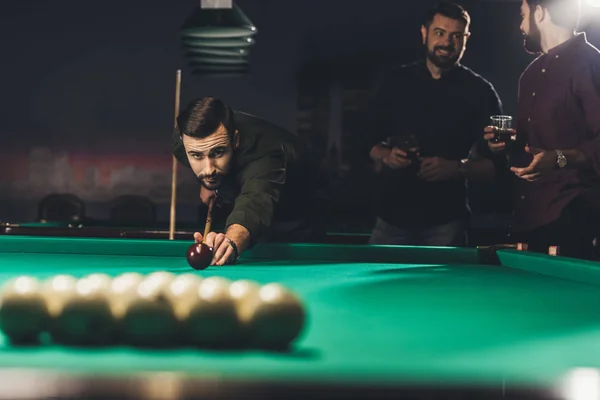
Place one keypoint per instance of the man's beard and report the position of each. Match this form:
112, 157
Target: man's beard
211, 182
443, 62
533, 41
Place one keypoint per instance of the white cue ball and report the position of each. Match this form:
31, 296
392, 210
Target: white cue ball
277, 318
212, 319
182, 293
149, 317
86, 317
23, 310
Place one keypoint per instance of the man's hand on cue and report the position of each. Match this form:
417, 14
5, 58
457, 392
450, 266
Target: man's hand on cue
223, 251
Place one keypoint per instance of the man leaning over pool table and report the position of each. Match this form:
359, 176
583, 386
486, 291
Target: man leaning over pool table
259, 167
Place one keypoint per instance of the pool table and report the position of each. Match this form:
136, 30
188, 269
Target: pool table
384, 322
106, 230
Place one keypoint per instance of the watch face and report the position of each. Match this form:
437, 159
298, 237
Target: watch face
562, 161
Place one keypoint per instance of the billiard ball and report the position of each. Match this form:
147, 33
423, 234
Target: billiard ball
86, 318
57, 291
212, 319
23, 310
199, 256
122, 291
245, 295
244, 291
98, 281
149, 318
182, 293
161, 278
276, 318
129, 277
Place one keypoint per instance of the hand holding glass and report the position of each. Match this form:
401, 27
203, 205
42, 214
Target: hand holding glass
504, 132
410, 145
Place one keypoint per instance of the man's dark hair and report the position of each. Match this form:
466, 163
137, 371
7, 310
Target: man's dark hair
448, 10
202, 118
564, 13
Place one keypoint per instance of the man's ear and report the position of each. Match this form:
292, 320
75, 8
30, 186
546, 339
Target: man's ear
540, 14
424, 34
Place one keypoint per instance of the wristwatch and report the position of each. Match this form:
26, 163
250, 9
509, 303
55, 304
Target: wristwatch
561, 160
236, 254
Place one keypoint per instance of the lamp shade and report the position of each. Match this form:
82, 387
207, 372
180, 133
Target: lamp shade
218, 23
217, 41
234, 42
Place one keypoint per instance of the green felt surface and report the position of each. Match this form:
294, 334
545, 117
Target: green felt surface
47, 224
375, 313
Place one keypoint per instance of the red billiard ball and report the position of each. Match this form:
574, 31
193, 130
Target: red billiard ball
199, 256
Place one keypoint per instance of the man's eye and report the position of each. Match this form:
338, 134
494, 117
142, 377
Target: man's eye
197, 156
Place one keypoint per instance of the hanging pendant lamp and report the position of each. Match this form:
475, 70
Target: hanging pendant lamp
216, 39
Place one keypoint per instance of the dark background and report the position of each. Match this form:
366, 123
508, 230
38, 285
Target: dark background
87, 88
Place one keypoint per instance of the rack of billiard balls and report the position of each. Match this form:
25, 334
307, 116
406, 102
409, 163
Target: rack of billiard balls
160, 309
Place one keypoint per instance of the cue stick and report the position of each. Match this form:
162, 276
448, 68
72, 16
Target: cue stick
207, 227
174, 168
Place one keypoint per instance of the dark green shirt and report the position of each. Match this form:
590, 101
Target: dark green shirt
268, 181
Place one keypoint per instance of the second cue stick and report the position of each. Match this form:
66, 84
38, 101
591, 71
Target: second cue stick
174, 167
207, 227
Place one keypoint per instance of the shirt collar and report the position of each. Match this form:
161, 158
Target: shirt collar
576, 40
450, 73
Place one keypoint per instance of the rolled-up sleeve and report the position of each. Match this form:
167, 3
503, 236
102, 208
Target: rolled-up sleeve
587, 86
260, 182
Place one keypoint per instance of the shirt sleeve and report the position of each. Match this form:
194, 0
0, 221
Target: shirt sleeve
380, 116
261, 181
587, 86
490, 105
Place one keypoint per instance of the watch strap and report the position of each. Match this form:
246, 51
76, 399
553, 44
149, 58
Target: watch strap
236, 254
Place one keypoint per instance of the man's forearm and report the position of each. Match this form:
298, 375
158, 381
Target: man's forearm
240, 236
576, 159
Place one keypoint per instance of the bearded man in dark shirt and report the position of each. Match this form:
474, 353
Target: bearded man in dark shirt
443, 105
556, 158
